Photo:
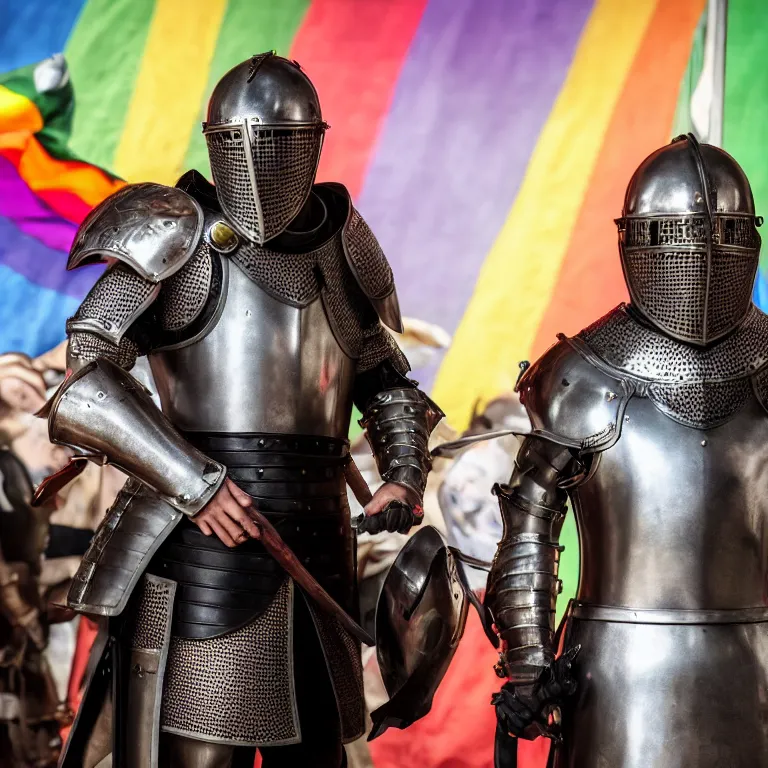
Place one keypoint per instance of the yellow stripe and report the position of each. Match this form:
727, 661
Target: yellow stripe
164, 108
519, 273
18, 113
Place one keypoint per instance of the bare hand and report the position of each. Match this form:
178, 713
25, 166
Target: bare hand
390, 492
225, 515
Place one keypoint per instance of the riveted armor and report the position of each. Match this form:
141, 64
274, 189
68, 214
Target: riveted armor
260, 332
659, 442
152, 228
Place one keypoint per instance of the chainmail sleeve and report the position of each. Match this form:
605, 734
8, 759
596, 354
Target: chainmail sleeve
379, 346
84, 347
523, 583
101, 327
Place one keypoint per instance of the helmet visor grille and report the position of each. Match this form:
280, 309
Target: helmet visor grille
665, 262
669, 288
284, 162
233, 181
284, 165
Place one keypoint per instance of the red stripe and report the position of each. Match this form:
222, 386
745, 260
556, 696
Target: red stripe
355, 74
590, 281
70, 187
66, 204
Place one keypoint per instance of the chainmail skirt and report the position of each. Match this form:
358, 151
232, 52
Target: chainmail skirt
237, 688
240, 688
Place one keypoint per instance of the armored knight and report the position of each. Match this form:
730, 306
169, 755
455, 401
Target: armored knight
261, 304
653, 422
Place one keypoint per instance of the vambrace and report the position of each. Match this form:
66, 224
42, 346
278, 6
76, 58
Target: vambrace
398, 423
523, 584
103, 410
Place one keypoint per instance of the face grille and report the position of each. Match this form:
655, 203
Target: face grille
730, 290
284, 164
669, 284
232, 180
669, 288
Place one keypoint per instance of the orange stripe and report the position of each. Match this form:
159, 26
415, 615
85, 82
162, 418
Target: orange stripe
590, 281
18, 113
41, 172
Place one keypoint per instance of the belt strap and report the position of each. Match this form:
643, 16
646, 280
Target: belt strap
668, 616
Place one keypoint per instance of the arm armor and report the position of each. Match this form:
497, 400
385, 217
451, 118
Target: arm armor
399, 422
523, 585
102, 409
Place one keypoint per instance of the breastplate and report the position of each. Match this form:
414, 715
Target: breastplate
260, 366
677, 517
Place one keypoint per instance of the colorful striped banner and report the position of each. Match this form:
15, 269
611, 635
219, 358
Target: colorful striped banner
523, 264
443, 109
487, 142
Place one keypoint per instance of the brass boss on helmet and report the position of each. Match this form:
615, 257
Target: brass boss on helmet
689, 242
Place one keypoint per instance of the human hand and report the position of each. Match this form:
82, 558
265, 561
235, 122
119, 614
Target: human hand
393, 508
226, 516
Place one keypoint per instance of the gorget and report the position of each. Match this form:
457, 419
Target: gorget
700, 388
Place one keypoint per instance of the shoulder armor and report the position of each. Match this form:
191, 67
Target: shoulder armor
572, 399
369, 265
152, 228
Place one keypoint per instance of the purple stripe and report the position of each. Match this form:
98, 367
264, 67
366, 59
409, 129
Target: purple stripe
30, 215
42, 265
476, 88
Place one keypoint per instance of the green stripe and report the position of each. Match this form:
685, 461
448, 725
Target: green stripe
569, 563
746, 105
248, 28
104, 54
682, 122
55, 108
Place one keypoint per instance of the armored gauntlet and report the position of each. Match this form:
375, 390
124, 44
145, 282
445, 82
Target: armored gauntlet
104, 411
523, 584
399, 423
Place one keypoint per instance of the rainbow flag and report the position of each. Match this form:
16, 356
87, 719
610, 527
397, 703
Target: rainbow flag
45, 192
487, 142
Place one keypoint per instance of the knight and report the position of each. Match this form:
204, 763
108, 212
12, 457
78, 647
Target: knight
652, 422
260, 303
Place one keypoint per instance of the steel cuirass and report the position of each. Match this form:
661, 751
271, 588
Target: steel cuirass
653, 422
287, 373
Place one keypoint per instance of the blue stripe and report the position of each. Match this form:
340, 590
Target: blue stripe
760, 293
32, 30
31, 318
40, 264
